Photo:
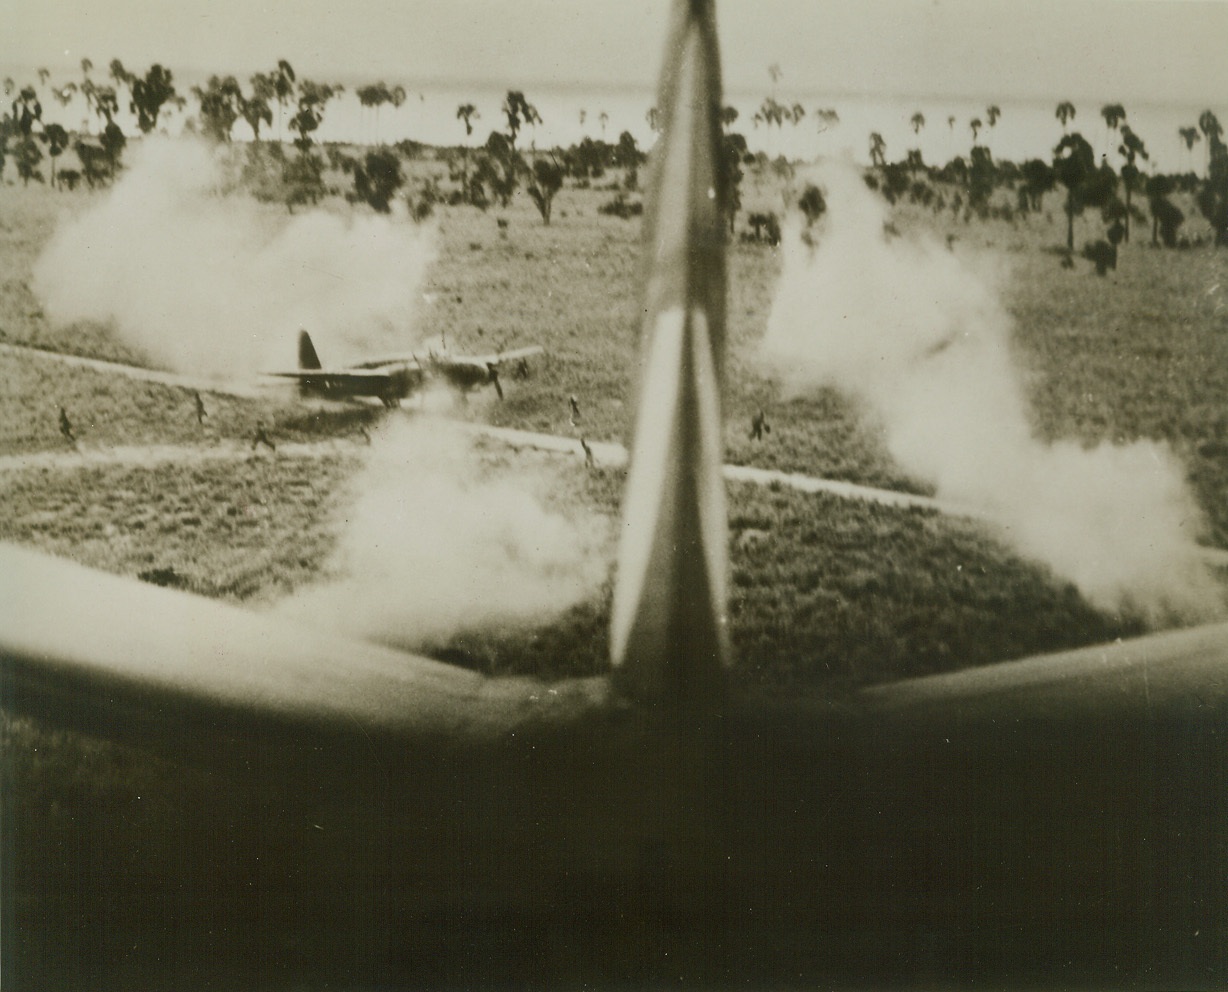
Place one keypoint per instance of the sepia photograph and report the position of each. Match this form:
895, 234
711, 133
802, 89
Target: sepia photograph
589, 495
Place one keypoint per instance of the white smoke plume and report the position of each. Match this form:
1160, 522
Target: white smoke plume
219, 286
921, 338
437, 543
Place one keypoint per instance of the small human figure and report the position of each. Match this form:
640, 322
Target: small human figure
522, 369
262, 437
201, 413
66, 428
759, 426
575, 409
588, 453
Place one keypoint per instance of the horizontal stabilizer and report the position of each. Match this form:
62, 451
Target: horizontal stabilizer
142, 663
135, 653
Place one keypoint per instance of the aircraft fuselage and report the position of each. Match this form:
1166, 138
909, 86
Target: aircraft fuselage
390, 387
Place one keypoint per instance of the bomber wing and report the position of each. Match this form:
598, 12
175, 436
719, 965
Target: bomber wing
496, 359
410, 360
339, 376
516, 354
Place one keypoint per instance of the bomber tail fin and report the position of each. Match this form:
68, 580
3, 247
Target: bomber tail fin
307, 357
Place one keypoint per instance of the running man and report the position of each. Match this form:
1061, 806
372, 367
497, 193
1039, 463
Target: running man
66, 428
759, 426
262, 437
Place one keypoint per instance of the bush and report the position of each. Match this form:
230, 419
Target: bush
766, 228
1102, 254
620, 206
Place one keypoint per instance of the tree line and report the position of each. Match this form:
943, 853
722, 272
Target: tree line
492, 172
1089, 186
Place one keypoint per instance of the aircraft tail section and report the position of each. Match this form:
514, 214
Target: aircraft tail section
307, 357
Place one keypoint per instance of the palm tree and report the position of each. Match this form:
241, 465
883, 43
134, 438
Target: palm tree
976, 126
878, 149
121, 77
992, 113
1065, 113
1073, 162
1113, 114
87, 90
149, 95
914, 157
283, 89
64, 94
375, 95
396, 97
1210, 127
604, 119
1190, 136
57, 140
468, 113
221, 104
106, 103
1131, 148
518, 112
828, 118
257, 108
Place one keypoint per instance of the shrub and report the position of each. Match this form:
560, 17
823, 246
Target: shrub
620, 206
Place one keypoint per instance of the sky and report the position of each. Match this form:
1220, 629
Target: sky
1155, 50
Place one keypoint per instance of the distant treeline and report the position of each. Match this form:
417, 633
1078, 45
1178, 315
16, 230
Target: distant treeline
491, 173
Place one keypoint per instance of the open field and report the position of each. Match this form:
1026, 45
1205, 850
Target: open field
1142, 354
816, 603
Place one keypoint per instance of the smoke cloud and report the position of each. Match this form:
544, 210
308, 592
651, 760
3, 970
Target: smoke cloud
437, 543
219, 286
921, 338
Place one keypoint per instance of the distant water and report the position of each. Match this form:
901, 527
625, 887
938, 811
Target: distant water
1025, 129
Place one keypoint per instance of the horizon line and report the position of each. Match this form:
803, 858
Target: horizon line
348, 78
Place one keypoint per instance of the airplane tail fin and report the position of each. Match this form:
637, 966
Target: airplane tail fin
307, 357
669, 633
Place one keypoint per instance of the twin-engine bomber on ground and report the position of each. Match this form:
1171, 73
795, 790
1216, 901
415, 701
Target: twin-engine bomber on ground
393, 378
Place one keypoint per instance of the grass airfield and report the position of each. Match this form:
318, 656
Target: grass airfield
827, 595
